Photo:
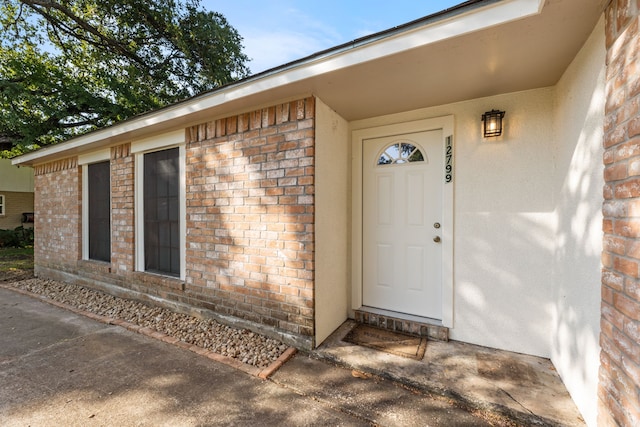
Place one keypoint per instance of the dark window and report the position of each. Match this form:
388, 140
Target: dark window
99, 212
162, 212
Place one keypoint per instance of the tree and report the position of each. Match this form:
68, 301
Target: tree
71, 66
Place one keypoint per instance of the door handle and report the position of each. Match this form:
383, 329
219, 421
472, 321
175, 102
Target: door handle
436, 239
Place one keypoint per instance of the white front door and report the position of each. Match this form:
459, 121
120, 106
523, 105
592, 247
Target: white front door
402, 205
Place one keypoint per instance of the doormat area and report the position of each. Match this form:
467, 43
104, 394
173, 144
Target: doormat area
388, 341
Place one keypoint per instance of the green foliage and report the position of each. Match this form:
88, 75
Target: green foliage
19, 237
14, 261
69, 67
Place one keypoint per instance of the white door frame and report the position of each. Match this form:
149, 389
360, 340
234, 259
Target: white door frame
357, 137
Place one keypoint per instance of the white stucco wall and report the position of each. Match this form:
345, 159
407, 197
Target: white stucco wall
504, 225
332, 218
579, 118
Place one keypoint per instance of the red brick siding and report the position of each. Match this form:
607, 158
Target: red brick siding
122, 209
58, 210
619, 388
250, 215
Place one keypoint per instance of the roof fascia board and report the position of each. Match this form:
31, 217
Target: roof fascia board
95, 156
158, 142
478, 19
475, 20
359, 52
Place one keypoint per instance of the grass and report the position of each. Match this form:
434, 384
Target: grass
16, 259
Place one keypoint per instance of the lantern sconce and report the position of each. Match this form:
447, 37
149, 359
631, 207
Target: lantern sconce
492, 125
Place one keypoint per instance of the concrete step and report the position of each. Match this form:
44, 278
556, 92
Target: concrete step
415, 327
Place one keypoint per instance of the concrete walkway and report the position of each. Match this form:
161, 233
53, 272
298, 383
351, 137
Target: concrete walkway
525, 388
61, 368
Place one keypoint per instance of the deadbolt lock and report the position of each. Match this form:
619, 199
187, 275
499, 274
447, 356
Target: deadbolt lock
436, 225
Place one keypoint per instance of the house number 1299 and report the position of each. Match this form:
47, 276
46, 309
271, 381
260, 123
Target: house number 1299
448, 165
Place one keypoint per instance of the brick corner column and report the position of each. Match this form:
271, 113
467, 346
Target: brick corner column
619, 376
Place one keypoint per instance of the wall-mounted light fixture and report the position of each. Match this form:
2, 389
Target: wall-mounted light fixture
492, 125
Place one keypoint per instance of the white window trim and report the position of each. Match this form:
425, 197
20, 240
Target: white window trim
3, 211
140, 148
95, 157
358, 136
85, 160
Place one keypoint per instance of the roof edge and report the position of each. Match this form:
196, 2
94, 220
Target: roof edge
476, 13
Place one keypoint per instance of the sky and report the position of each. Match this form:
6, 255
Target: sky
279, 31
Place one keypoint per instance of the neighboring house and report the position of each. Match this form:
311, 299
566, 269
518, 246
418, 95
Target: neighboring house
16, 196
280, 200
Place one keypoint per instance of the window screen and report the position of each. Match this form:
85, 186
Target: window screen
99, 211
162, 212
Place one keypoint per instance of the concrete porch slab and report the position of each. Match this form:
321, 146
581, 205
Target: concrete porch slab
523, 387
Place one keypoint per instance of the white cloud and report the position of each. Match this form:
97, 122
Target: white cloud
276, 32
271, 49
290, 35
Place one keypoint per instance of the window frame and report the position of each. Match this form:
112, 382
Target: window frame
84, 161
139, 149
3, 205
93, 219
161, 175
401, 159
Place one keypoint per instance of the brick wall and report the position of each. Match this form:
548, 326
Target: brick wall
619, 387
122, 209
250, 215
57, 211
15, 204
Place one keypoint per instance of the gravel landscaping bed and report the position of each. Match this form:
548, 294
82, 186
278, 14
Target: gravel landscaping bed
241, 344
